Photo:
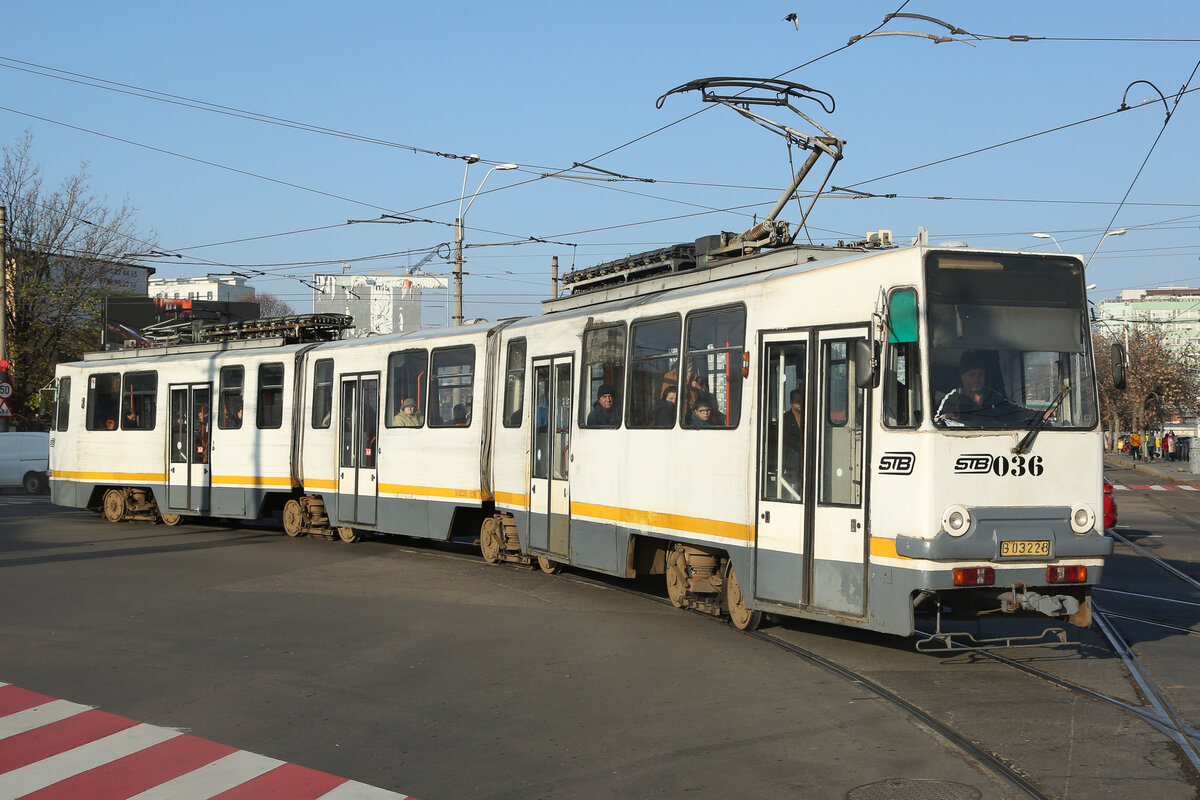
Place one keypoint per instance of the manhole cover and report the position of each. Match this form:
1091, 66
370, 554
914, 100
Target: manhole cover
914, 789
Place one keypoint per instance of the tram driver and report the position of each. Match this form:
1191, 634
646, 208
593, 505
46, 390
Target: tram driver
973, 404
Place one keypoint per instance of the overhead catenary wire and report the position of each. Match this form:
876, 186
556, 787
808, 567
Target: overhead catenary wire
741, 209
1178, 98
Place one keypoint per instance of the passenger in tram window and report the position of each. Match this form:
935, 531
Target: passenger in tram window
407, 416
231, 412
201, 436
461, 417
698, 392
703, 414
604, 413
974, 404
108, 403
663, 415
793, 437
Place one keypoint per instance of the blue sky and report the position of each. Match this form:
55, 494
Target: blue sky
545, 85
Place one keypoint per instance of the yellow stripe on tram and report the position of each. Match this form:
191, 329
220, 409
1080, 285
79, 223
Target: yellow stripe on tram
430, 491
656, 519
884, 548
252, 480
512, 499
111, 477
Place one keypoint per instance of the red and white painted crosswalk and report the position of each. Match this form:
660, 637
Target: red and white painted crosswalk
58, 750
1158, 487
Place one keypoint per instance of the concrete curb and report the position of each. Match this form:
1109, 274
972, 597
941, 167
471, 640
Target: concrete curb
1168, 471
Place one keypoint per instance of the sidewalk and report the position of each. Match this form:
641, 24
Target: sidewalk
1171, 471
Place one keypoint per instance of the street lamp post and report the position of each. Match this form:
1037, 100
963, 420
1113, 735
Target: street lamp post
1117, 232
458, 231
1051, 238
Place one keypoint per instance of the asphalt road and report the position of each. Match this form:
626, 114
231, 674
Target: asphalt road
442, 677
1166, 522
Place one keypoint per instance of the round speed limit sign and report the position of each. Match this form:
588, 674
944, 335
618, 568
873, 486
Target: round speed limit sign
5, 390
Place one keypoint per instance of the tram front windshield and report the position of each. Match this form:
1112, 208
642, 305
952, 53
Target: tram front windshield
1009, 342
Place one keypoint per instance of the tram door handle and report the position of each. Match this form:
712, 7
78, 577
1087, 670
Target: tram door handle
766, 517
855, 525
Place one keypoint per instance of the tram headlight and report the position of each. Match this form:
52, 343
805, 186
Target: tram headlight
1083, 519
956, 520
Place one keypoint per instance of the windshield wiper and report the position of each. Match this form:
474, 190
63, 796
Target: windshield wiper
1039, 422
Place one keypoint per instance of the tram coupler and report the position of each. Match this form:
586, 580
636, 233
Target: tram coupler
1058, 605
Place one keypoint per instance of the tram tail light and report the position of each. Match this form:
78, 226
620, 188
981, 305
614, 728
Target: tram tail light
1072, 574
745, 364
974, 576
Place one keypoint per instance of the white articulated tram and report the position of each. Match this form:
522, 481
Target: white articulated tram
861, 435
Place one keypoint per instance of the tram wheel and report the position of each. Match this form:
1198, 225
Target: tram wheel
348, 534
742, 618
293, 518
548, 566
169, 519
114, 505
676, 584
491, 541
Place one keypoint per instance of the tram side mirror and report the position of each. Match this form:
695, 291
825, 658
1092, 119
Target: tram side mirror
866, 363
1118, 365
45, 401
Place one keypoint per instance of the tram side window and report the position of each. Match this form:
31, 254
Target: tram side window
603, 377
654, 373
233, 379
839, 478
270, 396
712, 393
103, 401
514, 384
322, 393
138, 400
902, 377
454, 381
63, 406
406, 389
783, 422
541, 422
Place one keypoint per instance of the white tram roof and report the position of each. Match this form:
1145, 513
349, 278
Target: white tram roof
200, 351
756, 269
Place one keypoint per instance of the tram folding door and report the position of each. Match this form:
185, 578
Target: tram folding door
358, 450
189, 478
810, 547
549, 484
779, 547
838, 539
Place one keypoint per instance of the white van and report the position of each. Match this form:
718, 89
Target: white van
25, 460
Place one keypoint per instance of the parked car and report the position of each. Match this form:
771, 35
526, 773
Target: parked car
25, 461
1110, 506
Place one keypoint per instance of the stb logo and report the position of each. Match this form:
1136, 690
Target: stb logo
973, 464
896, 463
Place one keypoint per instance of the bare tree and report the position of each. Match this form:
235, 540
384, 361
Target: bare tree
271, 306
1160, 382
64, 251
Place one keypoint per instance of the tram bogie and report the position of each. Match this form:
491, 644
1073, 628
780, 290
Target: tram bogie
793, 432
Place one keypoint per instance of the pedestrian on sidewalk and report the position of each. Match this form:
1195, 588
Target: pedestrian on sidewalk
1172, 452
1135, 444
